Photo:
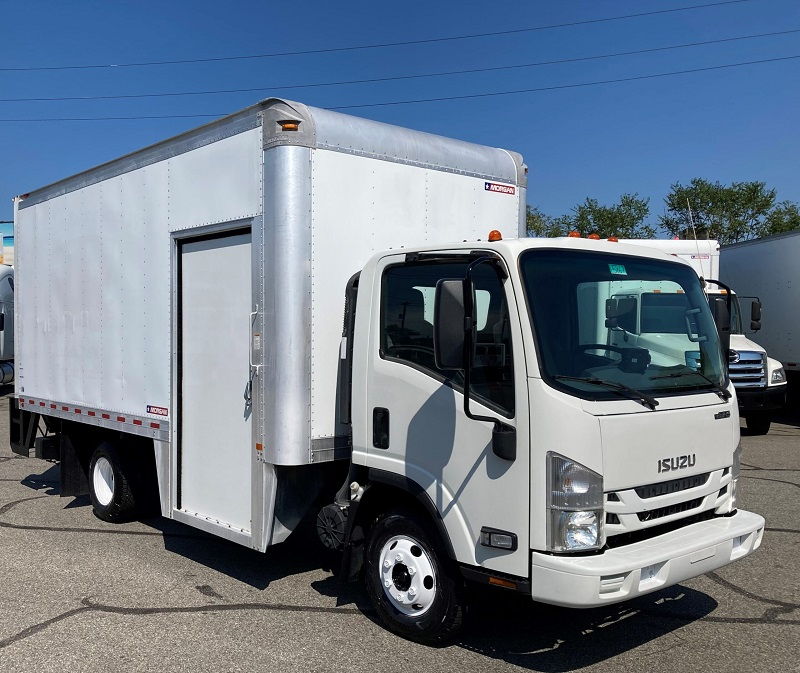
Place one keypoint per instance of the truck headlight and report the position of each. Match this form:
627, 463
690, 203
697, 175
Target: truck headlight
778, 376
575, 501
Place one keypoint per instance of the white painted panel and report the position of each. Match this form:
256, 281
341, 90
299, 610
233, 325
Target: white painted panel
94, 268
361, 206
215, 414
216, 183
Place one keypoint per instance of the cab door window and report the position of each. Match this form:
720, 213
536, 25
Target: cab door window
406, 334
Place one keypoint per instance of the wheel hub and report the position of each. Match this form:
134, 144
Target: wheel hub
407, 575
103, 481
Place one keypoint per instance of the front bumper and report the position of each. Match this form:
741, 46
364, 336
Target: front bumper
761, 399
639, 568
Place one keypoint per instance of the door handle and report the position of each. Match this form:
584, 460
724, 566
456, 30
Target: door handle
250, 323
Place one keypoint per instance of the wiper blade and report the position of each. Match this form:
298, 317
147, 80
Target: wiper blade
718, 389
643, 398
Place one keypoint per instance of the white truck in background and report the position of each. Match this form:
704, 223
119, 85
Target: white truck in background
471, 421
759, 380
6, 324
769, 268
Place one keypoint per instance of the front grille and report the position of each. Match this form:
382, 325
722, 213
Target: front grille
661, 512
747, 369
672, 486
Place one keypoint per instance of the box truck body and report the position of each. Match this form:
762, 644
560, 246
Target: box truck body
768, 268
280, 314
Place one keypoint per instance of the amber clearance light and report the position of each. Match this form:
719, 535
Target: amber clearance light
495, 235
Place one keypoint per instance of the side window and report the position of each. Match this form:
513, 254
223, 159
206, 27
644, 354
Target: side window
407, 328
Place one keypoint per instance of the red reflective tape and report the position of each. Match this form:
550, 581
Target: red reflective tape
155, 425
106, 416
121, 419
135, 422
90, 413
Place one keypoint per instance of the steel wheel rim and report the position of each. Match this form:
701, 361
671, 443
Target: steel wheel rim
407, 575
103, 481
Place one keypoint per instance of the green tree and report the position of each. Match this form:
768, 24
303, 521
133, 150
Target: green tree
728, 213
541, 225
783, 217
624, 219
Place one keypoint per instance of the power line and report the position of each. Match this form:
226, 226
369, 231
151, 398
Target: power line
381, 45
567, 86
401, 77
439, 99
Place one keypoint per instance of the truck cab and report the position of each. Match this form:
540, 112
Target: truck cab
555, 457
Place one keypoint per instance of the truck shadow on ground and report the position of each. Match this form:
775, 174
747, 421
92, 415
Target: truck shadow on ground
502, 626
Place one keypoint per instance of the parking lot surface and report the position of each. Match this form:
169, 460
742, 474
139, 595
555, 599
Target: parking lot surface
77, 594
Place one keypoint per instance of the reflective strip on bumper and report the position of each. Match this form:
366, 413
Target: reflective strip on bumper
639, 568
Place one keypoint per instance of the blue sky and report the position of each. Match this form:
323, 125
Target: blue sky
599, 141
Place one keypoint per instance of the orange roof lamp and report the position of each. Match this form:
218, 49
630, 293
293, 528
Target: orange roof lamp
495, 235
594, 237
574, 234
289, 125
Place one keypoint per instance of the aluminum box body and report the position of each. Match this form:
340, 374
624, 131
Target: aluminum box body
99, 335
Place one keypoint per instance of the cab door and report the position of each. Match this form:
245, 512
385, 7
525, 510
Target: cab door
416, 422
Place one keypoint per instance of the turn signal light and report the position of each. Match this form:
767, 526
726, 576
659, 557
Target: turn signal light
495, 235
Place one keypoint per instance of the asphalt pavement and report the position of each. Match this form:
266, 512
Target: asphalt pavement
78, 594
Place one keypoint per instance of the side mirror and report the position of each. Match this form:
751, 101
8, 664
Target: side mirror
722, 319
617, 307
448, 324
755, 315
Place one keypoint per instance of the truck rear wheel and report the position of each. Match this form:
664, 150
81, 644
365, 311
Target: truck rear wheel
758, 424
110, 476
411, 582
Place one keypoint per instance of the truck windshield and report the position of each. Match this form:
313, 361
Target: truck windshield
602, 319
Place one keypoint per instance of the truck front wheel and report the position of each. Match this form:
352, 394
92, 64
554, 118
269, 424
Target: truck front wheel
758, 424
110, 484
412, 584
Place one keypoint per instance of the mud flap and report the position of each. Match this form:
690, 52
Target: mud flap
74, 477
23, 426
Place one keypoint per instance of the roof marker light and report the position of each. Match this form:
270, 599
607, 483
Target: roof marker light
574, 234
613, 239
289, 124
594, 237
495, 235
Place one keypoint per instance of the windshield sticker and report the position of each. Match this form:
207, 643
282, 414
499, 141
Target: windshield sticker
617, 269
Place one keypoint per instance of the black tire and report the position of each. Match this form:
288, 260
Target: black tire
121, 505
440, 622
758, 424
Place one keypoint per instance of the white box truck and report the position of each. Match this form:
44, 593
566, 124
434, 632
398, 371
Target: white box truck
769, 268
759, 380
278, 317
